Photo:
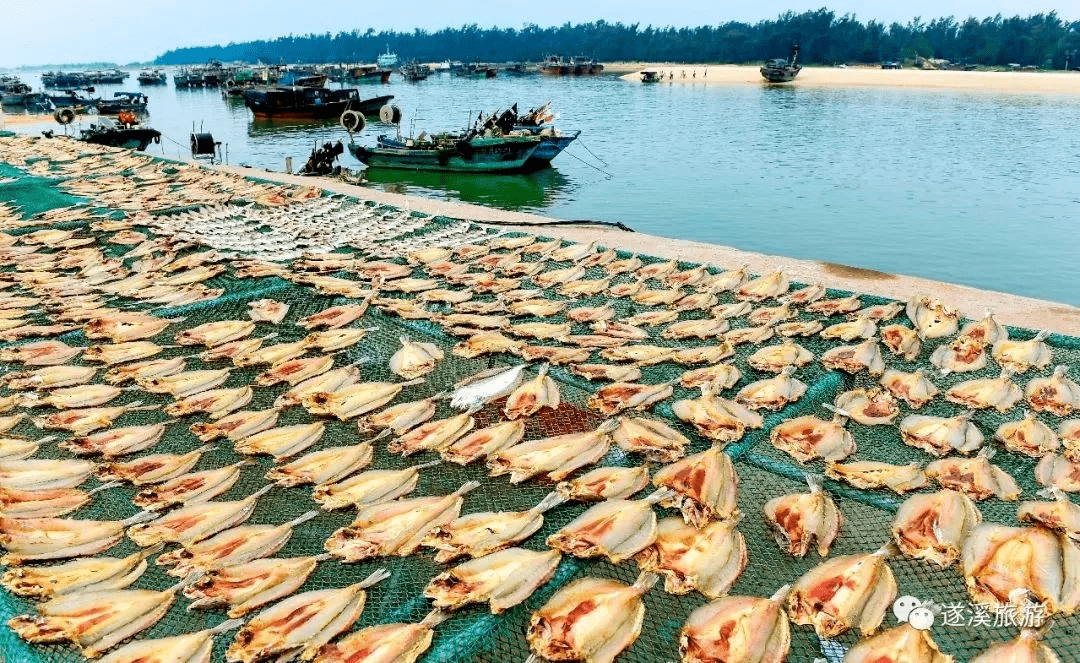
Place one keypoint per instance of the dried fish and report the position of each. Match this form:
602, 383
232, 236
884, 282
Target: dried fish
488, 342
332, 340
484, 442
43, 474
502, 579
557, 456
933, 526
402, 643
620, 396
901, 340
624, 330
1000, 393
610, 372
830, 307
939, 436
737, 628
38, 539
1056, 394
651, 437
728, 311
1022, 356
1056, 471
865, 356
767, 316
962, 355
301, 624
773, 393
335, 316
591, 313
869, 407
356, 399
616, 529
267, 310
189, 647
395, 528
590, 620
868, 474
433, 436
976, 477
216, 402
799, 519
236, 545
799, 328
748, 335
774, 358
1059, 514
281, 442
556, 356
913, 388
368, 488
479, 534
900, 643
86, 574
154, 468
709, 559
180, 385
843, 593
764, 287
323, 467
116, 441
119, 353
605, 483
718, 419
932, 318
541, 330
1024, 648
145, 370
212, 334
1028, 436
642, 355
1000, 562
50, 377
705, 486
651, 318
189, 488
40, 353
194, 522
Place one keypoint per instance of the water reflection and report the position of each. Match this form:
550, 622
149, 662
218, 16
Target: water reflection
523, 192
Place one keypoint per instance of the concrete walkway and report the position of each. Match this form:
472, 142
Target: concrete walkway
973, 302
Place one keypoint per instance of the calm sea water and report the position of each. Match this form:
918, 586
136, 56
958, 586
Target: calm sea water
979, 188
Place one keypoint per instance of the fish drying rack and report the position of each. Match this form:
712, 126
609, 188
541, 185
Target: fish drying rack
473, 634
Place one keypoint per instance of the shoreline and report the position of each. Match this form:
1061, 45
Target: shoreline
1042, 82
1013, 310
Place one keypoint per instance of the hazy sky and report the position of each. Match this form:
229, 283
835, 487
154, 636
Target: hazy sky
39, 32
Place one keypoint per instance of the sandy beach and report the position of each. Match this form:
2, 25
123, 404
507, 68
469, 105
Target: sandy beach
20, 120
1045, 82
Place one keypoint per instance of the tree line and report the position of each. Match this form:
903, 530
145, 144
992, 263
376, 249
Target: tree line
1042, 40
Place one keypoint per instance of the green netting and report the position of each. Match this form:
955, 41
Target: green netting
472, 634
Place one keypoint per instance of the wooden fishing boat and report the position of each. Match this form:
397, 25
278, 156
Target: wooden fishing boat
296, 102
779, 70
450, 152
651, 77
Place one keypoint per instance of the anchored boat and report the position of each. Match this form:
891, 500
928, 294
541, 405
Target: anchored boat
297, 102
779, 70
449, 152
536, 122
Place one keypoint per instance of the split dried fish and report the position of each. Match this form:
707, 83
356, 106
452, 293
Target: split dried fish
798, 520
1060, 514
743, 335
82, 396
976, 477
236, 545
401, 643
432, 436
728, 311
335, 316
557, 456
488, 342
764, 287
532, 396
591, 313
773, 393
939, 436
605, 483
865, 356
1000, 393
41, 353
842, 593
1056, 394
189, 488
868, 474
50, 377
484, 442
38, 539
212, 334
900, 643
396, 527
180, 385
620, 396
962, 355
45, 503
650, 318
913, 388
775, 358
216, 402
705, 485
188, 648
250, 585
95, 621
766, 316
116, 441
267, 310
194, 522
323, 467
808, 438
281, 442
356, 399
1056, 471
807, 295
708, 560
1068, 433
590, 620
610, 372
145, 370
43, 474
624, 330
120, 353
541, 330
368, 488
1028, 436
616, 529
1024, 648
799, 328
332, 340
933, 526
554, 355
154, 468
237, 425
869, 407
480, 534
623, 266
901, 340
748, 629
415, 359
999, 563
830, 307
718, 419
502, 579
708, 354
651, 437
1022, 356
642, 355
301, 624
860, 328
86, 574
932, 318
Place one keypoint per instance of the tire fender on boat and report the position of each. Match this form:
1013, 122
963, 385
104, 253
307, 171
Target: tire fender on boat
352, 121
64, 116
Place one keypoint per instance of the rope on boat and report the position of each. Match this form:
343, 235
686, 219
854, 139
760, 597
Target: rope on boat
591, 152
588, 164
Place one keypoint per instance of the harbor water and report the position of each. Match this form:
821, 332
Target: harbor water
974, 187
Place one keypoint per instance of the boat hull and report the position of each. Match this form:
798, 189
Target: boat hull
551, 147
321, 112
136, 139
475, 156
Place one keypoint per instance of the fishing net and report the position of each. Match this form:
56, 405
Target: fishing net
473, 634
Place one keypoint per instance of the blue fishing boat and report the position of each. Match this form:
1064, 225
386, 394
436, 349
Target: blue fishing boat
462, 153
